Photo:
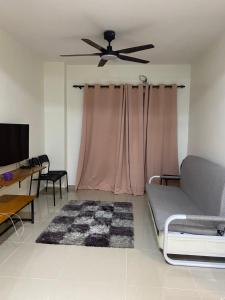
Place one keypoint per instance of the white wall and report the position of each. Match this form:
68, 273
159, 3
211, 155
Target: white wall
207, 105
21, 94
179, 74
54, 111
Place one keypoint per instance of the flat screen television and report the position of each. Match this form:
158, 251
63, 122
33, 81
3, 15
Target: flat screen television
14, 143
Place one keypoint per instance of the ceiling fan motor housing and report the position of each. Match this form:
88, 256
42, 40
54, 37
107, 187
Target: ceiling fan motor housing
109, 35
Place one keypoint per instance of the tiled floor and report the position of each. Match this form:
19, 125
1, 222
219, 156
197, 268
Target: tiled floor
32, 271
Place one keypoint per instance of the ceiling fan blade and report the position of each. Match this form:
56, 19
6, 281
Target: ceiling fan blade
93, 44
133, 59
102, 62
135, 49
91, 54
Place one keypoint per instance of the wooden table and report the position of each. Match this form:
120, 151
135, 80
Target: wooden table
19, 175
12, 204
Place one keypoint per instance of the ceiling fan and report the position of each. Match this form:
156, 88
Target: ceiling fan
108, 53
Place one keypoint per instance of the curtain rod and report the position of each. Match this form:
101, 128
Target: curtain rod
133, 86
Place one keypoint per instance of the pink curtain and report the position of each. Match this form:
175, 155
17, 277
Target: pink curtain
128, 134
161, 145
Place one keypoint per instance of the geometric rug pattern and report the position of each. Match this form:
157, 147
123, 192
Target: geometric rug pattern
92, 223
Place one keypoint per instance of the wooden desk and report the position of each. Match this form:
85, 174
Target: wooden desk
19, 175
12, 204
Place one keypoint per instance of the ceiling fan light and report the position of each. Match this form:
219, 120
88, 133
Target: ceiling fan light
108, 57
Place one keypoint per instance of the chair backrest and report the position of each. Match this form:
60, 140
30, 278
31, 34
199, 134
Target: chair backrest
34, 161
44, 160
204, 182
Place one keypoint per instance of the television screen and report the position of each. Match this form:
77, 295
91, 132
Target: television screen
14, 143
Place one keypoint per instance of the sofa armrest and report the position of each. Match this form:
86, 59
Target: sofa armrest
195, 263
165, 177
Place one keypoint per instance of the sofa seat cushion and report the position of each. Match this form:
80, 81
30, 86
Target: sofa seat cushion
170, 200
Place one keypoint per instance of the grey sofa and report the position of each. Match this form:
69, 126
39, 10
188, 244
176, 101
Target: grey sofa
200, 198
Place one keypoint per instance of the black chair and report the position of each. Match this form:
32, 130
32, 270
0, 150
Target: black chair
45, 177
44, 160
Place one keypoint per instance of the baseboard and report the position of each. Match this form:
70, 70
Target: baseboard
72, 188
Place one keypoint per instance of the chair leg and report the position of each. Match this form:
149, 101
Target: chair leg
67, 185
31, 180
32, 212
54, 192
38, 188
60, 187
46, 188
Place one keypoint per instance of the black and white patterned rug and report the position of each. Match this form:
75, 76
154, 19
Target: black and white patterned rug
92, 223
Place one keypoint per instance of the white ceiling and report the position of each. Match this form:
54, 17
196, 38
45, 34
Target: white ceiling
180, 29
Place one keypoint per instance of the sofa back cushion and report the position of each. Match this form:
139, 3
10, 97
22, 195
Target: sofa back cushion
204, 182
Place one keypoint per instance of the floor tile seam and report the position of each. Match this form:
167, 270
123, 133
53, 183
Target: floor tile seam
10, 255
26, 277
164, 288
193, 278
125, 283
